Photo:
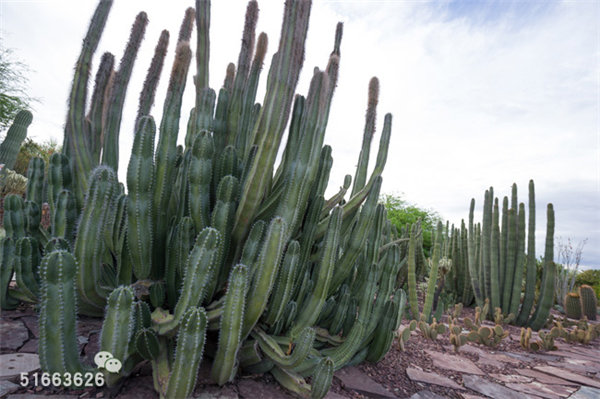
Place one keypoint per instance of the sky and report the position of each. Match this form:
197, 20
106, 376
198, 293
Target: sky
482, 93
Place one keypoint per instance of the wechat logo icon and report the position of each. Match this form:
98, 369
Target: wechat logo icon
106, 361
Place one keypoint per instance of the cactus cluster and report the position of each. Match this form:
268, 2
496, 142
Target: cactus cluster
214, 235
498, 262
488, 336
581, 303
545, 341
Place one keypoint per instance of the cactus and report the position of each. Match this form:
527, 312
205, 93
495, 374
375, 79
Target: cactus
404, 334
9, 149
140, 176
500, 319
573, 305
546, 341
498, 270
589, 302
188, 354
224, 366
35, 180
488, 336
432, 330
7, 254
57, 322
25, 263
118, 327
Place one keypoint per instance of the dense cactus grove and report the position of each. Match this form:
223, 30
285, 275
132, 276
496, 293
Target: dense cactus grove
212, 251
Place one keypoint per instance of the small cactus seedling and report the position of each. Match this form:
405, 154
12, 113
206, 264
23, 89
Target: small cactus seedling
432, 330
488, 336
404, 334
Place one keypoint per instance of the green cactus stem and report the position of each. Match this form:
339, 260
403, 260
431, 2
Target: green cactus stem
224, 365
589, 302
573, 305
9, 149
188, 354
26, 263
140, 179
58, 314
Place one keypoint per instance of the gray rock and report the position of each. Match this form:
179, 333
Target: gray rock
354, 379
431, 378
7, 387
542, 390
586, 393
488, 388
13, 334
426, 395
455, 363
568, 375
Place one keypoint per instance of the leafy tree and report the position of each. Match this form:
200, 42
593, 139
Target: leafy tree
30, 149
13, 87
400, 213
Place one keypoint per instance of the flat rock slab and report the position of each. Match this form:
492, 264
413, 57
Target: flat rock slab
7, 387
13, 334
586, 393
545, 378
567, 354
31, 322
431, 378
30, 346
511, 378
13, 364
259, 390
531, 356
542, 390
354, 379
454, 363
568, 375
215, 392
488, 388
426, 395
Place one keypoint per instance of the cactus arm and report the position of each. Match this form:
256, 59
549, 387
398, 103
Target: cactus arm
530, 265
57, 323
496, 294
363, 159
412, 279
140, 176
224, 365
117, 328
146, 100
546, 298
75, 140
25, 264
89, 247
322, 378
166, 150
515, 300
9, 149
114, 111
35, 180
14, 216
282, 81
200, 177
264, 276
7, 254
303, 345
309, 313
199, 269
188, 354
96, 117
473, 266
433, 274
203, 46
59, 178
285, 284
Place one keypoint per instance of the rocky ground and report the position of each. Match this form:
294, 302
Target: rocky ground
427, 369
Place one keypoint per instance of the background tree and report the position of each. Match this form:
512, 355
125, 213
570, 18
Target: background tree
13, 87
400, 213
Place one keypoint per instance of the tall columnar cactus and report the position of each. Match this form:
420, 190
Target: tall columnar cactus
589, 302
59, 178
498, 271
9, 149
57, 323
35, 180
